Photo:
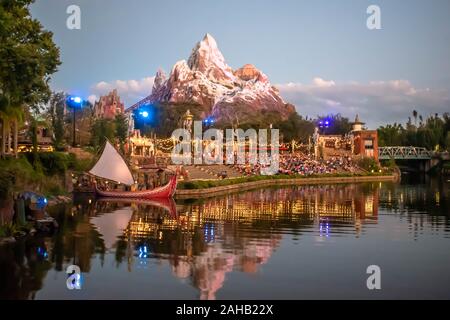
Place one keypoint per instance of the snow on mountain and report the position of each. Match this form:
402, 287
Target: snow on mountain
207, 59
206, 80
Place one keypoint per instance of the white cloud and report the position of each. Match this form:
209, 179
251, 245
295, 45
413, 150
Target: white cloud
92, 98
377, 102
130, 91
319, 82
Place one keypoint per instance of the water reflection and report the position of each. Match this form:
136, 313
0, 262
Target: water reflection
203, 241
22, 269
206, 240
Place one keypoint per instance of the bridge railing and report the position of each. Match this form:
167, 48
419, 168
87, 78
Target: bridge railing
406, 153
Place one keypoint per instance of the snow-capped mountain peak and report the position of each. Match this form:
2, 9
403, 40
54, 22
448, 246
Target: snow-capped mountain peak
207, 58
206, 80
160, 78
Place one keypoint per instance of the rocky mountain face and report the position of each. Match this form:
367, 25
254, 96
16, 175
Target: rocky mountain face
229, 96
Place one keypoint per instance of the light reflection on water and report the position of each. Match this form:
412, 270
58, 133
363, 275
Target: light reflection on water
291, 243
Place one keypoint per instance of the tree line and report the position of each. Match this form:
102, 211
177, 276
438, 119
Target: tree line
91, 131
28, 57
168, 117
432, 133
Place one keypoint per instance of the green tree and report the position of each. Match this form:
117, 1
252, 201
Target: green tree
296, 128
34, 124
431, 133
415, 117
56, 114
447, 141
436, 127
446, 120
102, 129
390, 135
168, 117
368, 164
337, 124
121, 128
28, 57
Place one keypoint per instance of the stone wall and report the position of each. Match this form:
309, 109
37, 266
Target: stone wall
215, 191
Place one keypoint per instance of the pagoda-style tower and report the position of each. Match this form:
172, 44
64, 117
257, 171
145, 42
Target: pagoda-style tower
365, 142
187, 121
357, 125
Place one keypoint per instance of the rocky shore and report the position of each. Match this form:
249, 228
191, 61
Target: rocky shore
9, 231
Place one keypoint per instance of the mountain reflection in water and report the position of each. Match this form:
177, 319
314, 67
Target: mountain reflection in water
203, 240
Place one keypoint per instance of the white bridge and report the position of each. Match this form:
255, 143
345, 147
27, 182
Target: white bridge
404, 153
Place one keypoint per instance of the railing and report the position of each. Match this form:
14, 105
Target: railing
406, 153
138, 104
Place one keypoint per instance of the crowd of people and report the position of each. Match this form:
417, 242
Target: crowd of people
299, 163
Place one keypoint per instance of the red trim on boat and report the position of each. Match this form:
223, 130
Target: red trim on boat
166, 191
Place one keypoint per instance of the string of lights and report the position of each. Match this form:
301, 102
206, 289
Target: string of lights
167, 144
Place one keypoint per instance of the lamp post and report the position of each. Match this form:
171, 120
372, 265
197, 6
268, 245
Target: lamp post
143, 117
74, 102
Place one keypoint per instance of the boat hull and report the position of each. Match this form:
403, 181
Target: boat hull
166, 191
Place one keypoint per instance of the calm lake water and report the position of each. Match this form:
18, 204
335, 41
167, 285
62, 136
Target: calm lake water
305, 242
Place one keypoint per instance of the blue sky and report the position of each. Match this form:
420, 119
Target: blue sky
319, 53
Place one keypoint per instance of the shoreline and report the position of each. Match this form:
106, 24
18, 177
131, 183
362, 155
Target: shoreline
245, 186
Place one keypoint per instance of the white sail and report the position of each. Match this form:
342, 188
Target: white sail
112, 166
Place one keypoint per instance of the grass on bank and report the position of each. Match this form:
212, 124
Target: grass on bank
204, 184
370, 165
45, 174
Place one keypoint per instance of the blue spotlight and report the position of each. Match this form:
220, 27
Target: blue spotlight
208, 121
74, 101
325, 123
145, 114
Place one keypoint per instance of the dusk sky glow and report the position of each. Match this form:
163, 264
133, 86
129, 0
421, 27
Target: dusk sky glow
320, 54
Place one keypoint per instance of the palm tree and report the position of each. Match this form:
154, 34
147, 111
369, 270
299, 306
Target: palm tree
11, 118
55, 115
415, 117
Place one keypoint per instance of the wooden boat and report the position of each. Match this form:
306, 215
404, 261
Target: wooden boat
165, 191
113, 167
